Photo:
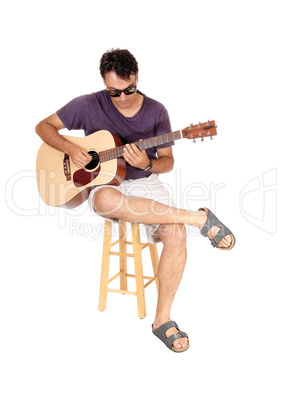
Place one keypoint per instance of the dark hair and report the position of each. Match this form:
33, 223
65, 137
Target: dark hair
119, 60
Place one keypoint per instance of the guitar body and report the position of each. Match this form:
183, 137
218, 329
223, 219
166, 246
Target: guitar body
61, 183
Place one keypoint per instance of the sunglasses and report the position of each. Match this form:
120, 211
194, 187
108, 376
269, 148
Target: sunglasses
114, 93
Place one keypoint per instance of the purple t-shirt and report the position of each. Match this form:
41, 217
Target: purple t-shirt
96, 112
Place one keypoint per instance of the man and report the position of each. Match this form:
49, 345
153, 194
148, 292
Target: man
126, 112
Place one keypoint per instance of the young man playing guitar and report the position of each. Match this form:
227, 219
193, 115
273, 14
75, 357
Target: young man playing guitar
132, 116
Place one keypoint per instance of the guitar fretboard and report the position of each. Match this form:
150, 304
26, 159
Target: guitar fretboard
144, 144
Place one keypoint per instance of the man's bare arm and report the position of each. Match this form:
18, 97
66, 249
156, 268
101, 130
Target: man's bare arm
139, 159
48, 131
165, 161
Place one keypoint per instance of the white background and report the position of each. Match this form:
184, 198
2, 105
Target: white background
203, 60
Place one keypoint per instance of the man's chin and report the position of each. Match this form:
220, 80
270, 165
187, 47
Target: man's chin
123, 105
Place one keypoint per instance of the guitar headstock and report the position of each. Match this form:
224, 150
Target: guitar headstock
200, 130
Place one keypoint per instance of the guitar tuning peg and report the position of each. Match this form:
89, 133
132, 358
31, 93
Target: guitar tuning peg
202, 139
211, 138
194, 140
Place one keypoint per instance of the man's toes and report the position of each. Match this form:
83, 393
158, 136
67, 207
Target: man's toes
225, 242
177, 345
180, 343
184, 342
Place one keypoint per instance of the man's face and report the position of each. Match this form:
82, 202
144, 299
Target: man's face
113, 81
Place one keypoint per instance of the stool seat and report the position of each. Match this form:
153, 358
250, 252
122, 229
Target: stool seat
138, 247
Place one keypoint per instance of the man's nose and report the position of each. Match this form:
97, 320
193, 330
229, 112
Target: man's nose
123, 96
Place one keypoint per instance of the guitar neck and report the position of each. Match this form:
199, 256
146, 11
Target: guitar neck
144, 144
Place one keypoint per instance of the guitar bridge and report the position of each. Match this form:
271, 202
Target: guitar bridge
66, 165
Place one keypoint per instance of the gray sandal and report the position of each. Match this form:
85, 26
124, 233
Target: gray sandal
211, 221
160, 333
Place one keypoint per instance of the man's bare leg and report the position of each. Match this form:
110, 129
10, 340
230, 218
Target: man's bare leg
170, 271
109, 202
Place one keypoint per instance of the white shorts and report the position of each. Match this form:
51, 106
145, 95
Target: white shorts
150, 187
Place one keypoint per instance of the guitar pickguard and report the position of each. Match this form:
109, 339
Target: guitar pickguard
81, 177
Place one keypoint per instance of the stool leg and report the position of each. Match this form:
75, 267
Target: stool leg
122, 258
138, 270
155, 262
105, 265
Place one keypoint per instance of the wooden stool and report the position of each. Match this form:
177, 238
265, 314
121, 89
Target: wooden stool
122, 253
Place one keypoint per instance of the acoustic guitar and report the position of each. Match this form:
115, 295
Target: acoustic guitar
61, 183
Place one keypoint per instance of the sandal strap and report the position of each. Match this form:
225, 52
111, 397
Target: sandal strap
212, 221
174, 337
160, 333
163, 328
224, 231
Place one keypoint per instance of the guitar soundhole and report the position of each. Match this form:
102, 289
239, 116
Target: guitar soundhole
95, 161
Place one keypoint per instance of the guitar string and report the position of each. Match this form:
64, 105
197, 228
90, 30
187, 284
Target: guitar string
145, 144
117, 152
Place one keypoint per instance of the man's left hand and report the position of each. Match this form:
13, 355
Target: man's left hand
135, 157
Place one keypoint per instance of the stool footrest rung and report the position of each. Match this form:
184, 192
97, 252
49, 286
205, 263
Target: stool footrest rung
149, 282
118, 253
127, 292
129, 243
145, 277
114, 277
150, 279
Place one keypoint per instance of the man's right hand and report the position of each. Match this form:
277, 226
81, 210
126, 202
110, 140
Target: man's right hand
79, 156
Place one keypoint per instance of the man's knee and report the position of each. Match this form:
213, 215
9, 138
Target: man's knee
179, 236
107, 200
173, 236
